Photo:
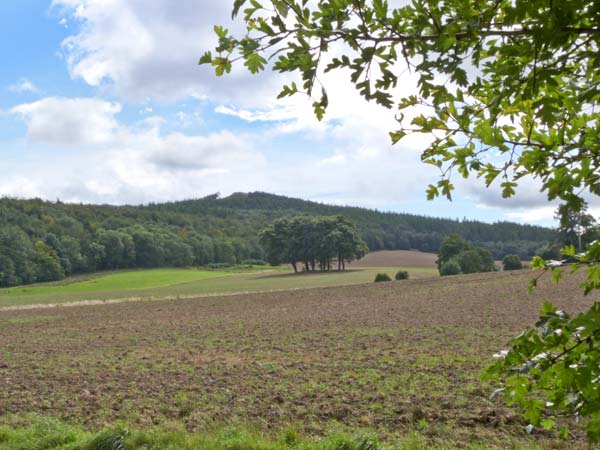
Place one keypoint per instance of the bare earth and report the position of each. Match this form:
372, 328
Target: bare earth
390, 356
399, 258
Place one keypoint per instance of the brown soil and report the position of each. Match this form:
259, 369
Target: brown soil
385, 355
399, 258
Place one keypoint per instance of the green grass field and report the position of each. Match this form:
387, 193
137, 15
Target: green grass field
161, 283
118, 281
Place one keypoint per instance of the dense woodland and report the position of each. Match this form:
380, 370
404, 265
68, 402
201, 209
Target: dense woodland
45, 241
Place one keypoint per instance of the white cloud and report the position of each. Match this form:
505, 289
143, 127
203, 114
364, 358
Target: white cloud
185, 119
24, 86
120, 163
542, 214
276, 114
151, 48
63, 121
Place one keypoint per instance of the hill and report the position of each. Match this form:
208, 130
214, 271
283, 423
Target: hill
380, 230
45, 241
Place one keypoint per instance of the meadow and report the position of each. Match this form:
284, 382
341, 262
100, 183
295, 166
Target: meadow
169, 283
361, 367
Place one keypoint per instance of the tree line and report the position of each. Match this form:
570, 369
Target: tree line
379, 230
24, 260
46, 241
316, 242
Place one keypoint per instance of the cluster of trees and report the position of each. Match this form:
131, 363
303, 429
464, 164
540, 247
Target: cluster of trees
53, 257
459, 256
314, 241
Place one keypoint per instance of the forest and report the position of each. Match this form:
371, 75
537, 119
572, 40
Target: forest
46, 241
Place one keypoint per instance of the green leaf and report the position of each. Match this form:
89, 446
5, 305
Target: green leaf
397, 135
237, 5
432, 192
255, 63
508, 189
548, 424
206, 58
538, 263
220, 31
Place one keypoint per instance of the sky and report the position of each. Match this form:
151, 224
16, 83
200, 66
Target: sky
102, 101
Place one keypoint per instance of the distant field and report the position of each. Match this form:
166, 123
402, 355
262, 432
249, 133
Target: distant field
394, 359
162, 283
117, 281
398, 258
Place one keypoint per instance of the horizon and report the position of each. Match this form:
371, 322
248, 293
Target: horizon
88, 115
322, 203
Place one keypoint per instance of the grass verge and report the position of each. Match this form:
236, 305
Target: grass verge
34, 432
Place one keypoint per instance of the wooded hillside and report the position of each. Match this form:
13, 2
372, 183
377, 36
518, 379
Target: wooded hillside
43, 241
380, 230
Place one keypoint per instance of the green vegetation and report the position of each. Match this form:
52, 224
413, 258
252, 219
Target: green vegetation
117, 282
402, 275
43, 433
459, 256
451, 267
512, 262
562, 355
172, 283
535, 75
321, 242
39, 433
382, 277
46, 241
576, 227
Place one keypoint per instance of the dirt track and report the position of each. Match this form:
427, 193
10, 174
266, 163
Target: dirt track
382, 355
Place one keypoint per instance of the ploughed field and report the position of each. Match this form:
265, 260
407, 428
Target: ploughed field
398, 258
393, 357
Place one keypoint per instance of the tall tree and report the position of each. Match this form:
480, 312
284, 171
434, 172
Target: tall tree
574, 222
